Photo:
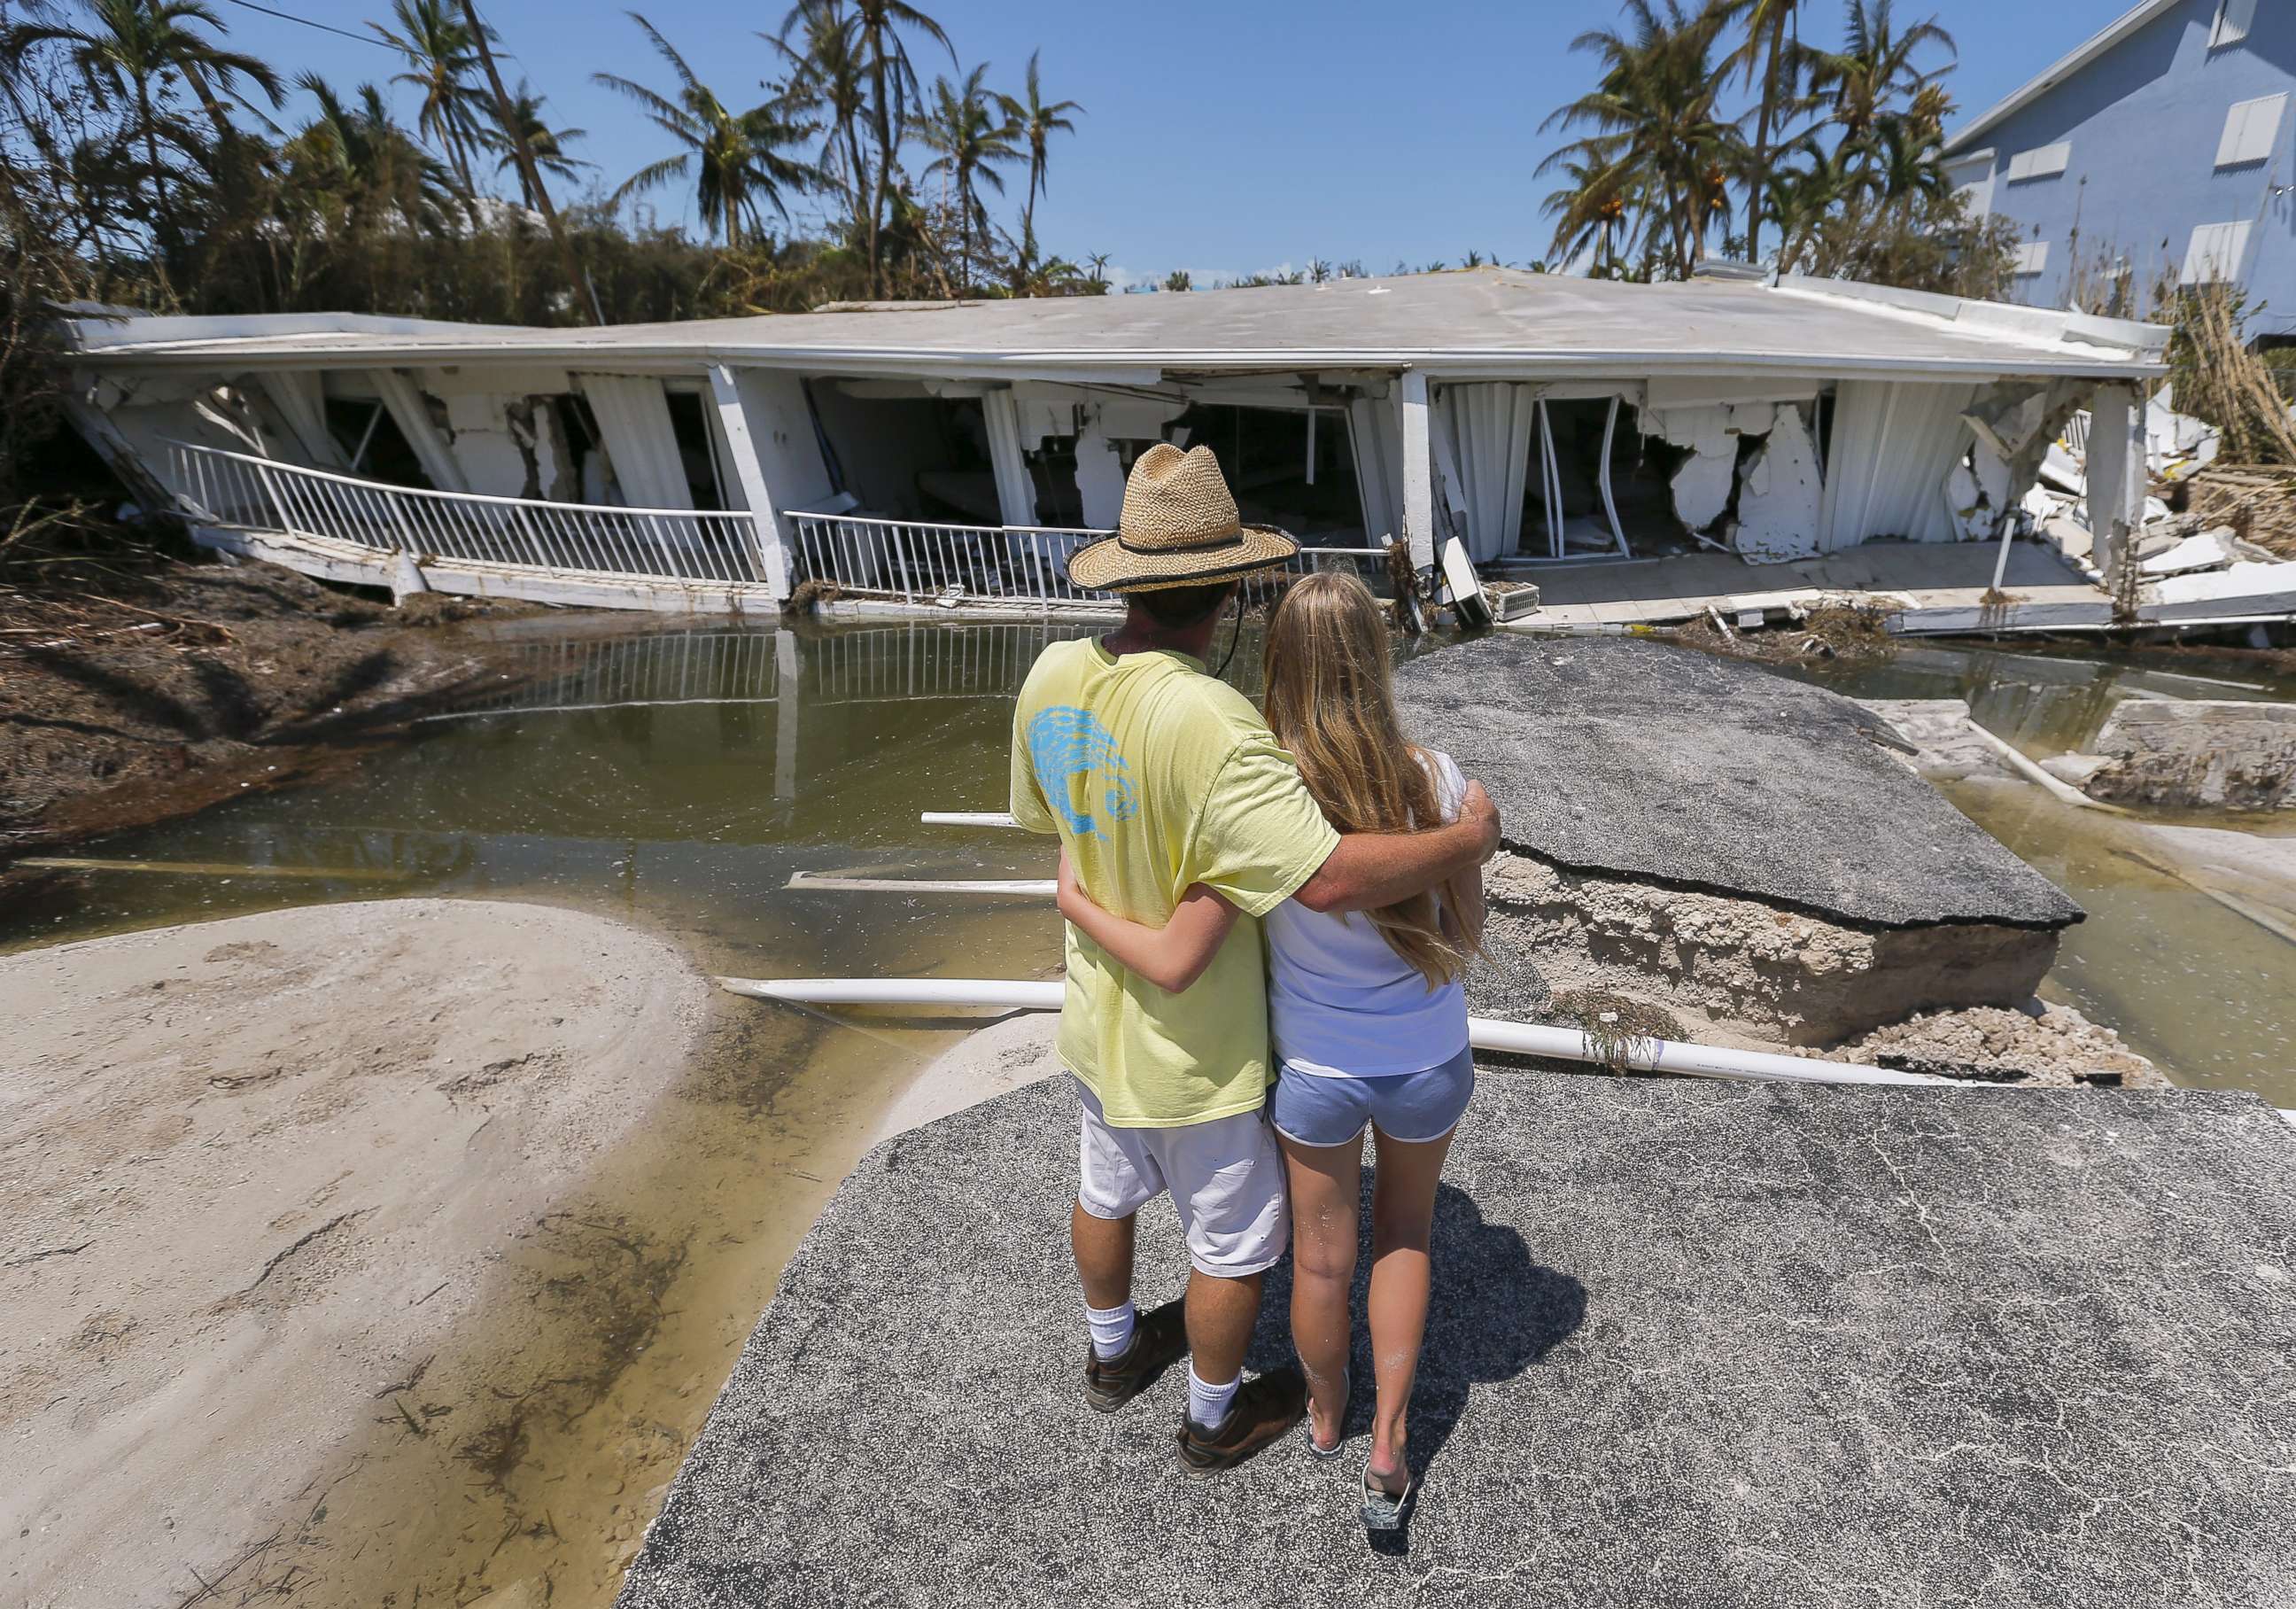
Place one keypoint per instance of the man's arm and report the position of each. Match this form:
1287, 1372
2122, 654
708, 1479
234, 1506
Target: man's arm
1368, 870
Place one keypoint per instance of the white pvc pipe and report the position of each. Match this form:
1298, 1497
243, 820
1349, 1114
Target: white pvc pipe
1484, 1033
967, 819
1041, 887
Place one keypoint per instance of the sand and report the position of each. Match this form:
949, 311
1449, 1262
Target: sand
251, 1172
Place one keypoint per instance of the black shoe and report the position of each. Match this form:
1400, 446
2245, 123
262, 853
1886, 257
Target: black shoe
1159, 1340
1264, 1410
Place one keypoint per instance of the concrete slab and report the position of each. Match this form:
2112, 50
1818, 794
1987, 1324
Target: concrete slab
1693, 1344
1666, 764
1931, 587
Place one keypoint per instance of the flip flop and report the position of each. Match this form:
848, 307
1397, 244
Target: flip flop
1383, 1510
1307, 1423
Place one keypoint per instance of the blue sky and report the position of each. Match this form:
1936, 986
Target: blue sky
1223, 136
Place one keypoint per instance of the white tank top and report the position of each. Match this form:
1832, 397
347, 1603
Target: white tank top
1341, 1003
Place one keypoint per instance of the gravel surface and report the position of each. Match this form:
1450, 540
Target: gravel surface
1693, 1344
1665, 764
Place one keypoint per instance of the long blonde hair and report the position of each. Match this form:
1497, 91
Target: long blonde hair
1330, 701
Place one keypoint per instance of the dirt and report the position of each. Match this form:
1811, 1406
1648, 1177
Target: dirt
1741, 972
2048, 1046
254, 1174
154, 690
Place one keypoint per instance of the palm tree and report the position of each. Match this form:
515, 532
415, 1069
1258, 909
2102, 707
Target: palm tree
892, 86
1589, 212
547, 145
735, 158
969, 127
371, 168
1098, 276
131, 53
1038, 123
1656, 132
1772, 47
828, 79
441, 56
1873, 72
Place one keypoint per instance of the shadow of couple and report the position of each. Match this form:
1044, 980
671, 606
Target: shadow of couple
1493, 1314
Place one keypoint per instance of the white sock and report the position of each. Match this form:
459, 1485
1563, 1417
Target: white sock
1208, 1405
1111, 1329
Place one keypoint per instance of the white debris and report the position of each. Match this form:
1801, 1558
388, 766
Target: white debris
1702, 485
2205, 550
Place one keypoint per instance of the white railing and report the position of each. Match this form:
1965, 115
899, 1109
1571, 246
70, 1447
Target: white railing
239, 489
916, 560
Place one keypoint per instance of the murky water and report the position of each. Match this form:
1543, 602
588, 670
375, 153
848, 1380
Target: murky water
2201, 990
681, 778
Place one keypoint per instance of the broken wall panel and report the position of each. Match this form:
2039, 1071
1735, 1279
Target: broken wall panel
1894, 445
1780, 493
633, 415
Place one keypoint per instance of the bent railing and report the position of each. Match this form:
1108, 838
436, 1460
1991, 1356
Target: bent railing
917, 560
241, 490
923, 561
918, 563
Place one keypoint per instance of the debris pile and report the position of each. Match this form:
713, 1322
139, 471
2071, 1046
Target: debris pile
2255, 501
2041, 1044
1839, 629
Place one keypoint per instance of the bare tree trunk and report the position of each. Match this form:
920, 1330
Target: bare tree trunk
1761, 174
881, 116
530, 174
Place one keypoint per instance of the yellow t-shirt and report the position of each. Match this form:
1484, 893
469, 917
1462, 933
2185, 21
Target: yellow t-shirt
1156, 776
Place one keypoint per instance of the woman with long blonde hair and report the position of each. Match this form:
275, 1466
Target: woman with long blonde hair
1366, 1012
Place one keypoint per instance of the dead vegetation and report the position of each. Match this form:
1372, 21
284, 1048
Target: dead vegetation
1854, 632
1617, 1027
2257, 500
2217, 378
807, 597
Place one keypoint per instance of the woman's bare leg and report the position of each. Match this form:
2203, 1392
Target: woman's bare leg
1402, 1215
1326, 1183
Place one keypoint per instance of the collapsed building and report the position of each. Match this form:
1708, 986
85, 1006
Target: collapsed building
1573, 433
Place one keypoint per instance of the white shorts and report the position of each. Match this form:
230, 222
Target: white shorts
1225, 1177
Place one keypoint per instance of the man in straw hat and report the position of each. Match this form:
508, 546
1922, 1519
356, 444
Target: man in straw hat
1158, 777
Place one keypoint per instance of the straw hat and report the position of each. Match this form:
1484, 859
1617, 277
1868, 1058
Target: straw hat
1179, 527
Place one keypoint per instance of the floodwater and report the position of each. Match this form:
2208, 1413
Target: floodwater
2201, 990
679, 777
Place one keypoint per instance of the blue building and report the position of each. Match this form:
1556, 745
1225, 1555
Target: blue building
2160, 150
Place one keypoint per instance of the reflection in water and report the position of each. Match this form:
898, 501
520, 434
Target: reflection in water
2045, 703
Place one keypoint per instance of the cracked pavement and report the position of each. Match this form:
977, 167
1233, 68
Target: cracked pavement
1691, 1343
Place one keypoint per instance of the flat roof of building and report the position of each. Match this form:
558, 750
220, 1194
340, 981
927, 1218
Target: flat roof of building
1456, 324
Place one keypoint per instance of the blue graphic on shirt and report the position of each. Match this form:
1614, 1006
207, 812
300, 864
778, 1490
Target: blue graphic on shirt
1065, 744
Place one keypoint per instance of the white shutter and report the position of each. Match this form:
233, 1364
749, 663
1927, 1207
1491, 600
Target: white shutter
2215, 253
2031, 258
2252, 129
2041, 162
2234, 17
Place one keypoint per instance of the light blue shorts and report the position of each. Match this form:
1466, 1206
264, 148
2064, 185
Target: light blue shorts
1317, 1109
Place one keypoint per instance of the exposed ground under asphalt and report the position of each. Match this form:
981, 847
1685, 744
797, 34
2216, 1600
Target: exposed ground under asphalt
178, 685
1670, 766
1693, 1344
